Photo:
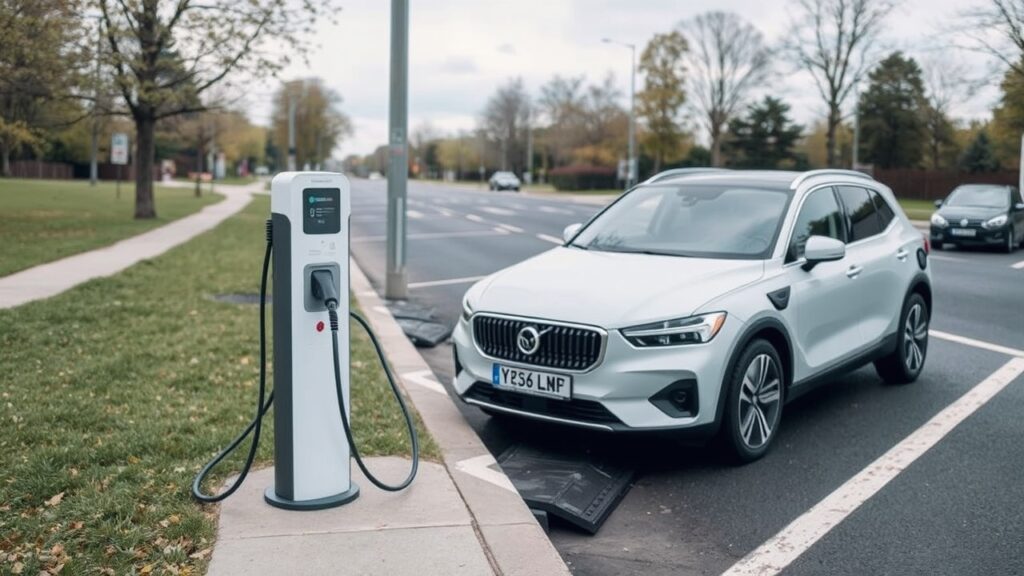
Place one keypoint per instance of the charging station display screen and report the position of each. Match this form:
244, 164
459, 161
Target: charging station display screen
321, 211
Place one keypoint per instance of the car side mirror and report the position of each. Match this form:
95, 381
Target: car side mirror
1019, 206
570, 231
938, 203
822, 249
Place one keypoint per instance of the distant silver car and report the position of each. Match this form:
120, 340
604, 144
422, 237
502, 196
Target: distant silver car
504, 181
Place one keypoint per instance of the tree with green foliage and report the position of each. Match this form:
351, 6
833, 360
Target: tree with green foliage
892, 114
320, 125
663, 95
168, 55
765, 137
979, 156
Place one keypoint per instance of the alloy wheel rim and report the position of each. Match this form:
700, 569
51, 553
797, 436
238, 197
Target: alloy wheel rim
759, 401
915, 338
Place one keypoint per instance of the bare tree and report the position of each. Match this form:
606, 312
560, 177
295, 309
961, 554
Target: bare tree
834, 40
562, 102
504, 121
166, 54
997, 28
947, 83
727, 59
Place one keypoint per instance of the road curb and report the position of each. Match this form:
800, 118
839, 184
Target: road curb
515, 544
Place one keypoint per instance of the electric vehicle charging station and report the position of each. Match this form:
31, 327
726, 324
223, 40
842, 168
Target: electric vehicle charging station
308, 237
310, 217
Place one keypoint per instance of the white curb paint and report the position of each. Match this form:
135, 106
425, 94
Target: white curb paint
480, 467
425, 378
782, 549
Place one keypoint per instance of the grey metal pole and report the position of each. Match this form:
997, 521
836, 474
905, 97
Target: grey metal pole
291, 132
396, 282
633, 169
94, 170
528, 177
856, 130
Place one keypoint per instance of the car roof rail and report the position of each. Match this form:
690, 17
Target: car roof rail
828, 172
676, 172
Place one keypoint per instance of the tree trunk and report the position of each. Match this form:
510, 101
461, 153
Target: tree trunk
145, 150
716, 148
830, 138
199, 168
5, 160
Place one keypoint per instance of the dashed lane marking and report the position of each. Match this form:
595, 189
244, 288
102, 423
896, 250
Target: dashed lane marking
498, 211
474, 218
553, 210
425, 379
977, 343
480, 467
782, 549
448, 282
551, 239
414, 214
511, 228
1018, 265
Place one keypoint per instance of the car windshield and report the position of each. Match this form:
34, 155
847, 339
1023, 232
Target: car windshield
980, 196
504, 175
696, 220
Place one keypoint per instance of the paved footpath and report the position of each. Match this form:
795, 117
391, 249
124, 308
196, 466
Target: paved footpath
52, 278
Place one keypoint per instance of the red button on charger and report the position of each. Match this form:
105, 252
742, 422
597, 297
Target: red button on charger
320, 326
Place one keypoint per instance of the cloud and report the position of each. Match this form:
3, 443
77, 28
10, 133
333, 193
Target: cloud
457, 65
507, 48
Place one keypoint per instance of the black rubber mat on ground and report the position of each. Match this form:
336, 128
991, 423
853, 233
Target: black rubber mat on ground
419, 323
579, 491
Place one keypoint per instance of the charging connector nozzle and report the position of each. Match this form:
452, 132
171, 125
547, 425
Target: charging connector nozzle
324, 290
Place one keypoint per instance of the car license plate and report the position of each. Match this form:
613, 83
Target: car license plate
545, 384
968, 232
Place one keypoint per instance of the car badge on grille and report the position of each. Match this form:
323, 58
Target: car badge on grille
964, 222
528, 339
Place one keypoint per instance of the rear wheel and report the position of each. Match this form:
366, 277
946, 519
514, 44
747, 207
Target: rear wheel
754, 402
904, 364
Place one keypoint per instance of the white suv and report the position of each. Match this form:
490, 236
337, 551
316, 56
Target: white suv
702, 302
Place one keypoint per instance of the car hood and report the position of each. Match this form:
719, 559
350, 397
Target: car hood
953, 213
608, 289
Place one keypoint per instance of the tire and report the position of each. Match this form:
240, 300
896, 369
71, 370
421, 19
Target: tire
749, 427
937, 245
1011, 241
904, 364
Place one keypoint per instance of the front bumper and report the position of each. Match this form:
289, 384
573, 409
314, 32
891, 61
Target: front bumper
982, 236
629, 388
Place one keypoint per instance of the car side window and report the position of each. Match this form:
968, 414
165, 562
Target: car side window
860, 213
820, 215
885, 212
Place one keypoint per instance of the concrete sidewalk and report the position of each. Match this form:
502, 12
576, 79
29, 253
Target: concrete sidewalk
460, 516
52, 278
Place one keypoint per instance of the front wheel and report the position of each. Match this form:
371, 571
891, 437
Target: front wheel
754, 403
1011, 241
904, 364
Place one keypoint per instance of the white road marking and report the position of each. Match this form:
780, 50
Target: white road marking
782, 549
1018, 265
414, 214
552, 210
480, 467
433, 235
425, 378
474, 218
448, 282
977, 343
498, 211
511, 228
551, 239
445, 212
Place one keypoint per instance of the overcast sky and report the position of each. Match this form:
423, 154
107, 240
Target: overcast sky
461, 50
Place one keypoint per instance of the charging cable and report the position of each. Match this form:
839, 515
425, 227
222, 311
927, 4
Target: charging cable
324, 290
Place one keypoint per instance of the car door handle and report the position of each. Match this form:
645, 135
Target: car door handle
901, 255
854, 271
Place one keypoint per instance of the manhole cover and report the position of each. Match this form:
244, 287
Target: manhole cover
239, 298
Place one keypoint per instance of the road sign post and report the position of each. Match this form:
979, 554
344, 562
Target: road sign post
119, 155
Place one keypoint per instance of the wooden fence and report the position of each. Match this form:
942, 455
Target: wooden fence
933, 185
40, 169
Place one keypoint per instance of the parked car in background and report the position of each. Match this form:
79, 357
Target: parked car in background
979, 215
504, 181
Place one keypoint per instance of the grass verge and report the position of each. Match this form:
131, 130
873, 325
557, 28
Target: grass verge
917, 209
49, 219
114, 394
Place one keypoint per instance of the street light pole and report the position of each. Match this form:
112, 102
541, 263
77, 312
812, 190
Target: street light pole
291, 131
632, 168
95, 144
395, 281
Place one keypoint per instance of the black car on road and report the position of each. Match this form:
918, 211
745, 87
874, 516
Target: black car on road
979, 215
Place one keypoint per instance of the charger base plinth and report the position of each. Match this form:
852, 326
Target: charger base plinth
276, 501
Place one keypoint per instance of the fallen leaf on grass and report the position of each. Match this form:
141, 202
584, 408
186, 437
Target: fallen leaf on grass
56, 499
201, 554
147, 569
17, 568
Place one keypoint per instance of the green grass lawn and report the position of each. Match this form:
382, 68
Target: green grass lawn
113, 394
917, 209
45, 220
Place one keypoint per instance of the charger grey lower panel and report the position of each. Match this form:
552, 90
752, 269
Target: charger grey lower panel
579, 491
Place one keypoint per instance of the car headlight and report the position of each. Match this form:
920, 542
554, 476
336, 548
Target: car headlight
467, 310
995, 222
939, 220
692, 330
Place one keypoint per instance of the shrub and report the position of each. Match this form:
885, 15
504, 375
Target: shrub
568, 178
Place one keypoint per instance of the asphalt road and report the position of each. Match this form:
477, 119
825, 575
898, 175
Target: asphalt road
958, 509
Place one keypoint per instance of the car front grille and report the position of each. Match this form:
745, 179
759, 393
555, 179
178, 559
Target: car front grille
565, 347
586, 411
